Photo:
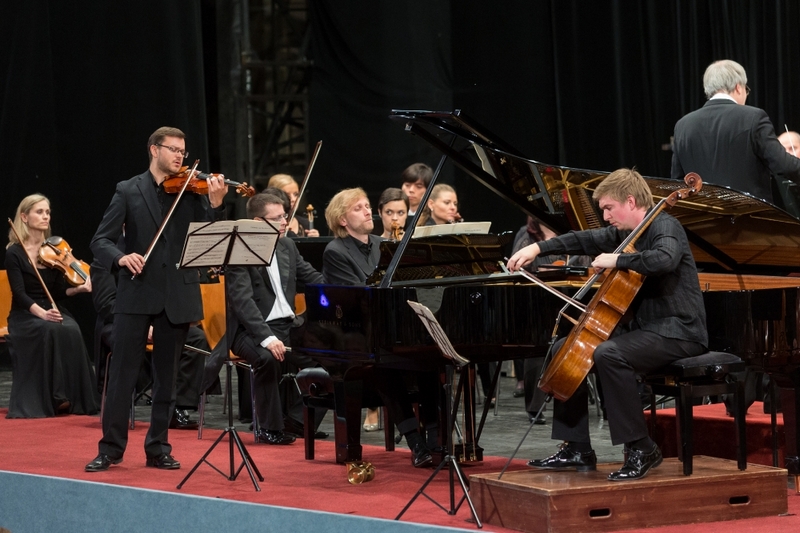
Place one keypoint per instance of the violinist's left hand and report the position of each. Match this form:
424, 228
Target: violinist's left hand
216, 190
605, 261
85, 287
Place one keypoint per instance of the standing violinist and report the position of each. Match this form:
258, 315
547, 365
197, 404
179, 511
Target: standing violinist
157, 293
667, 323
52, 374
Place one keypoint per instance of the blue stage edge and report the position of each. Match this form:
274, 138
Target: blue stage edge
33, 504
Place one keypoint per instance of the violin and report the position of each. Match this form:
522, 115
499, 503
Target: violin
56, 253
198, 184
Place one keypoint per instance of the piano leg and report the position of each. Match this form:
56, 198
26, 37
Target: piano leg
347, 418
790, 404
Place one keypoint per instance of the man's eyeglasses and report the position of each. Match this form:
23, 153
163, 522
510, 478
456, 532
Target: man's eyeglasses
278, 219
174, 150
747, 90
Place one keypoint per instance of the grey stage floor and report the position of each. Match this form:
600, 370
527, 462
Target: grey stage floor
500, 437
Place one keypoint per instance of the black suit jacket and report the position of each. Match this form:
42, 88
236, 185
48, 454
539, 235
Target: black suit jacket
732, 145
344, 264
250, 294
161, 286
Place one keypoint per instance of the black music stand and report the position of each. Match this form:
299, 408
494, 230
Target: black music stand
449, 460
221, 244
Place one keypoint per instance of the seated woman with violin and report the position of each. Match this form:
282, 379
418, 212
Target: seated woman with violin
51, 370
300, 225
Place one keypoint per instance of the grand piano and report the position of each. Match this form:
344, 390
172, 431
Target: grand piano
746, 250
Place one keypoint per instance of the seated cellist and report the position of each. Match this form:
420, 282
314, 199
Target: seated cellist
667, 322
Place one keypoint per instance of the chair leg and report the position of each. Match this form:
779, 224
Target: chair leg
133, 409
684, 417
388, 430
253, 404
308, 431
741, 432
202, 409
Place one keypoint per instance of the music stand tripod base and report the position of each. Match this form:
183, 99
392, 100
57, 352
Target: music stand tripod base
443, 343
233, 438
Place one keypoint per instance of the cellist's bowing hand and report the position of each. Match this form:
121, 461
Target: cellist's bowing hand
523, 257
216, 190
604, 261
133, 262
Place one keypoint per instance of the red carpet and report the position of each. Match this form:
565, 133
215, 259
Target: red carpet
61, 447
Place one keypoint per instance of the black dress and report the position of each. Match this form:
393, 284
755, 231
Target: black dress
49, 359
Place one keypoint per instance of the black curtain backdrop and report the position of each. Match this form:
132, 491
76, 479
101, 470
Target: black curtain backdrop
586, 84
594, 85
83, 87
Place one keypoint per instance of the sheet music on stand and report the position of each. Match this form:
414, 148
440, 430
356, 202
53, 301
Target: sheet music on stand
459, 228
438, 334
229, 243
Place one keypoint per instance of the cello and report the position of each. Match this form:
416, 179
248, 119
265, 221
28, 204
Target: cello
573, 361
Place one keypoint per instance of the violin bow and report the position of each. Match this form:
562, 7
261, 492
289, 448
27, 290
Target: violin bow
314, 156
166, 218
36, 270
794, 152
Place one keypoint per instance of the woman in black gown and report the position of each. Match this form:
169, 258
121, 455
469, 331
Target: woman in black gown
51, 370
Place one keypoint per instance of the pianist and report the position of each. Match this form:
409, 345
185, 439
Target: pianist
668, 323
348, 260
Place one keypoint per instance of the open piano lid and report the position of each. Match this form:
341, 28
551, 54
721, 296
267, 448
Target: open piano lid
729, 231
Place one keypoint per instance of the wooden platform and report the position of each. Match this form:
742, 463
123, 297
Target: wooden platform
571, 502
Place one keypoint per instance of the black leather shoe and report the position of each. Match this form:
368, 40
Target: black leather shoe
567, 458
274, 437
101, 463
538, 420
164, 461
290, 425
637, 464
421, 456
180, 420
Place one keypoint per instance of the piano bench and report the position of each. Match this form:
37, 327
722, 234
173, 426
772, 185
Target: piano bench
317, 388
709, 374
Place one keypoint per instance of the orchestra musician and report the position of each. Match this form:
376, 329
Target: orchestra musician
260, 314
52, 373
729, 143
348, 260
790, 140
414, 182
529, 370
667, 323
289, 186
157, 293
393, 209
442, 207
191, 363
